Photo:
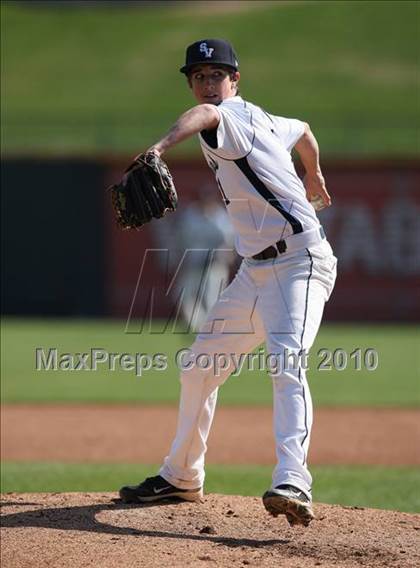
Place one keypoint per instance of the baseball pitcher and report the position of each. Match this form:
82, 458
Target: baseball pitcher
278, 295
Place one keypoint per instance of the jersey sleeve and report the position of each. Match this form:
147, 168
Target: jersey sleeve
235, 133
289, 130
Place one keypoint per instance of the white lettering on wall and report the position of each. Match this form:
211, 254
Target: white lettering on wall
380, 242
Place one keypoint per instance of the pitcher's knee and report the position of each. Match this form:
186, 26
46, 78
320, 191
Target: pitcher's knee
210, 367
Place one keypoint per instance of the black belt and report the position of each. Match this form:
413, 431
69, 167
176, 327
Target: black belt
271, 251
279, 247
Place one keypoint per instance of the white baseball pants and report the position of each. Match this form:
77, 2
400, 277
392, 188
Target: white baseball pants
280, 301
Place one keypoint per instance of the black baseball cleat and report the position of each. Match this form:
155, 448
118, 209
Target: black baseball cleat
290, 501
155, 489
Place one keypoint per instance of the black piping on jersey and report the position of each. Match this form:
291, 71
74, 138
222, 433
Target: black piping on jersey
263, 190
271, 120
301, 352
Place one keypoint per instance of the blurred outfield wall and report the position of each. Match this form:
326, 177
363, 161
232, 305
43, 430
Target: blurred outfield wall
64, 255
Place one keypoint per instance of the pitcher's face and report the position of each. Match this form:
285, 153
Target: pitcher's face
212, 83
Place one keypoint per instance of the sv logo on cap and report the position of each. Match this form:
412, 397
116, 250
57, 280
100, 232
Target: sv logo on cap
204, 48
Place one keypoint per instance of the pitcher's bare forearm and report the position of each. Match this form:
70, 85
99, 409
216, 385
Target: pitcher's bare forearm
308, 150
201, 117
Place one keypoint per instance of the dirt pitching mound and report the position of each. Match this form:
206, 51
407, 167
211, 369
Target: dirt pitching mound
82, 529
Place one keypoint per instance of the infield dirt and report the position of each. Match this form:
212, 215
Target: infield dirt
143, 434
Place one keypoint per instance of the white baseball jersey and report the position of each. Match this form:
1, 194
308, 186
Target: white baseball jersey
280, 301
249, 153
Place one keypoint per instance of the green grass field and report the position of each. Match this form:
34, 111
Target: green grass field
394, 383
96, 79
358, 486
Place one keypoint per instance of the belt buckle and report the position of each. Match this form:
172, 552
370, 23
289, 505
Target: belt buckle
281, 246
269, 252
272, 251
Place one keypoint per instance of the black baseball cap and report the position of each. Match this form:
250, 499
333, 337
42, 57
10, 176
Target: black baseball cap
210, 51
